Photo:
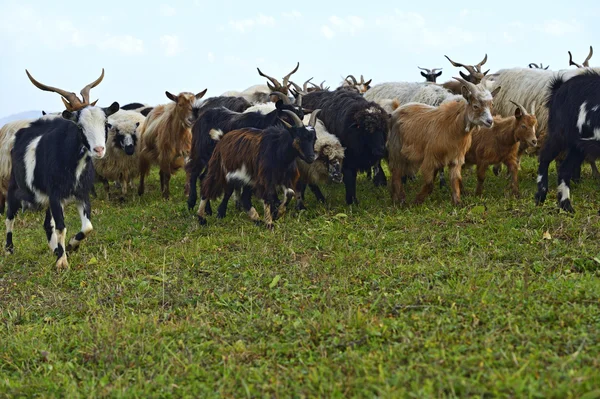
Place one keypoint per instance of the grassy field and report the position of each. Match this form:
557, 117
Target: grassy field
497, 298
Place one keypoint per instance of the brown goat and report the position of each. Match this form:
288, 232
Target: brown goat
166, 138
500, 144
475, 75
428, 138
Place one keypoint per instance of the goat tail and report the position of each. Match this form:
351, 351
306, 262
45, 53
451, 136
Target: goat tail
213, 184
395, 104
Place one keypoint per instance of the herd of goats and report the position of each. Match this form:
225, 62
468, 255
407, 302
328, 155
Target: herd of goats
281, 137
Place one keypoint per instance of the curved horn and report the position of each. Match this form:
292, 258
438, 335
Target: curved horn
478, 66
313, 118
470, 86
522, 108
282, 97
436, 69
533, 108
299, 100
571, 62
533, 65
547, 66
85, 92
69, 99
354, 82
298, 88
586, 63
321, 85
425, 69
272, 79
286, 78
305, 86
295, 118
456, 64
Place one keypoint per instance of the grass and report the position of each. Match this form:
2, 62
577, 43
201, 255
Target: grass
363, 301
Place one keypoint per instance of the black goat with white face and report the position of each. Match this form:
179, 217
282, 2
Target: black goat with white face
52, 166
574, 126
431, 75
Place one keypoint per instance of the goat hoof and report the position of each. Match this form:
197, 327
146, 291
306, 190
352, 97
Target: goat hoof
496, 170
540, 198
300, 207
62, 263
202, 221
566, 206
270, 226
10, 250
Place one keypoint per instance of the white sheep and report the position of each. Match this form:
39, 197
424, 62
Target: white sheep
410, 92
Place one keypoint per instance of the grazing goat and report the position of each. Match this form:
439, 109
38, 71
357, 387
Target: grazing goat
500, 144
51, 166
258, 161
216, 122
428, 138
431, 75
574, 127
165, 137
475, 75
360, 125
121, 163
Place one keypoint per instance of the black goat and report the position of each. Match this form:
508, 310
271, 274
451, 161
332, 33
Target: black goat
51, 166
574, 126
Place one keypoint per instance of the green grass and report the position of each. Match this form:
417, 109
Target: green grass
363, 301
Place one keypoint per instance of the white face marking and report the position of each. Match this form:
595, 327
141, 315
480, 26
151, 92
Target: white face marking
93, 122
539, 178
215, 134
128, 140
564, 191
241, 175
582, 117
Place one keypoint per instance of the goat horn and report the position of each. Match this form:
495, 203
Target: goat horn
534, 65
522, 108
533, 108
313, 118
85, 92
571, 62
69, 99
425, 69
286, 78
321, 85
456, 64
471, 69
587, 60
478, 66
299, 100
353, 79
470, 86
272, 79
295, 118
282, 97
305, 86
547, 66
298, 88
436, 69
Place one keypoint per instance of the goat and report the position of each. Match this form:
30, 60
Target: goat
431, 75
586, 62
352, 83
536, 66
574, 127
51, 165
475, 75
262, 93
360, 125
121, 162
258, 161
165, 137
143, 109
216, 122
500, 144
428, 138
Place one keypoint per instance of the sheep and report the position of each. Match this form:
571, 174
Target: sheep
428, 138
121, 163
216, 122
360, 125
52, 165
410, 92
431, 75
165, 138
258, 161
573, 126
500, 143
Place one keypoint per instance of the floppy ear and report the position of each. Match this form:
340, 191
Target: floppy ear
171, 96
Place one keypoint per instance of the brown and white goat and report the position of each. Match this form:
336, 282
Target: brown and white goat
166, 137
428, 138
500, 144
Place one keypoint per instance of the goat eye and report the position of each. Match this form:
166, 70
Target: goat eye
523, 126
476, 107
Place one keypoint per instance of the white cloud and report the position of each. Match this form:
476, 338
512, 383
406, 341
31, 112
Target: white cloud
342, 25
167, 11
171, 45
294, 14
126, 45
246, 25
557, 27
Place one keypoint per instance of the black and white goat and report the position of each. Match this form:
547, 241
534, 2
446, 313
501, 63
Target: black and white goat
574, 126
51, 166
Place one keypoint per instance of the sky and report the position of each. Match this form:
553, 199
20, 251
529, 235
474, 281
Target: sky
149, 47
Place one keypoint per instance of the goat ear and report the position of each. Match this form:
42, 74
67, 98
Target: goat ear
201, 94
518, 113
171, 96
68, 115
114, 107
465, 76
486, 72
496, 90
424, 75
43, 113
279, 104
464, 91
437, 75
137, 124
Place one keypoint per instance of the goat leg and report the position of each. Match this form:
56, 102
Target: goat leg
455, 182
397, 186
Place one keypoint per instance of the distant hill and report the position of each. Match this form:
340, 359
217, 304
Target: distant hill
20, 115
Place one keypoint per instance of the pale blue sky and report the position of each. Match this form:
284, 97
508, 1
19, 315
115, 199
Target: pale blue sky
192, 45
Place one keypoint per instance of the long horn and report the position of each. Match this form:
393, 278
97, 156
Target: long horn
587, 60
353, 79
534, 65
469, 68
533, 108
425, 69
478, 66
472, 88
69, 99
313, 118
305, 86
436, 69
282, 97
522, 108
571, 62
286, 78
295, 118
85, 92
299, 100
321, 85
298, 88
272, 79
